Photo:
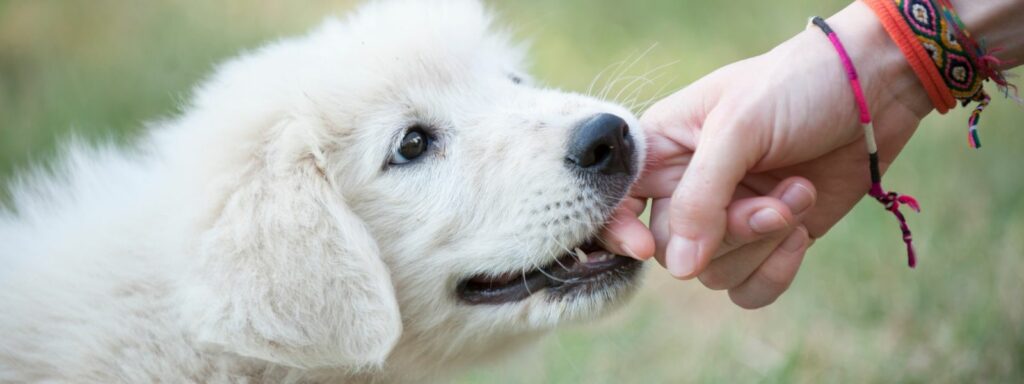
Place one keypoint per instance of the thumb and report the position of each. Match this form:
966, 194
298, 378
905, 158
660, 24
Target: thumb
626, 234
698, 210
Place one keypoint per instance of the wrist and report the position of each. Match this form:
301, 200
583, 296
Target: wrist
886, 76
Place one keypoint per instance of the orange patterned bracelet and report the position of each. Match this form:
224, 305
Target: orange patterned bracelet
918, 58
946, 59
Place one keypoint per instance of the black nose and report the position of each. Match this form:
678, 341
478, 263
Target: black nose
602, 144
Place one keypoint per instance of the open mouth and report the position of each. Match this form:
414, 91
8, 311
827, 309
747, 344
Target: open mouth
587, 269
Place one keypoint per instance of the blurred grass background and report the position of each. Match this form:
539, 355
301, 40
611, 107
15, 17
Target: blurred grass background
100, 68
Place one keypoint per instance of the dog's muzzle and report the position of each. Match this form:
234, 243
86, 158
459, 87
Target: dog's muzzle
601, 152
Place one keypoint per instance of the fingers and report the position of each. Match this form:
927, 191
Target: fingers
775, 275
756, 227
754, 219
626, 234
797, 193
733, 267
698, 209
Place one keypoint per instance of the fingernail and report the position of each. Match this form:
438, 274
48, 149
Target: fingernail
767, 220
681, 256
794, 241
798, 198
629, 251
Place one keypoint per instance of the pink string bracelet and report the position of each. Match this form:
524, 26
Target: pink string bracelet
890, 200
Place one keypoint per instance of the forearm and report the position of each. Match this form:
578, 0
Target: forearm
999, 23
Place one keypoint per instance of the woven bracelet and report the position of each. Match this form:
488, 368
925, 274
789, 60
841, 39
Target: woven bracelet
929, 31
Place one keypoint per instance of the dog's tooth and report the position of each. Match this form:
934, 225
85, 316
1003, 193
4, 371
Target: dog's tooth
581, 255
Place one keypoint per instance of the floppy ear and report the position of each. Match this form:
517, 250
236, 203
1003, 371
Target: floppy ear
288, 273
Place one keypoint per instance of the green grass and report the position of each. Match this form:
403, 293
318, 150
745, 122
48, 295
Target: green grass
99, 69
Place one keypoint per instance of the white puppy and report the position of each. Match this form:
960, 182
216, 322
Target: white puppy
384, 199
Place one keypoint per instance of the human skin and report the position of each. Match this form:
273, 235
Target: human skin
751, 163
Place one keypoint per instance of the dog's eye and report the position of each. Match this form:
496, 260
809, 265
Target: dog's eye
515, 79
413, 145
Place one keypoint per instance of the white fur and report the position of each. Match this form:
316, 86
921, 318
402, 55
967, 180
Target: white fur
259, 237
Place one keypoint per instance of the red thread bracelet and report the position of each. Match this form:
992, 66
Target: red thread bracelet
890, 200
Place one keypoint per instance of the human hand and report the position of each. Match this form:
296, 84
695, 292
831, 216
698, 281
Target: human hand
741, 136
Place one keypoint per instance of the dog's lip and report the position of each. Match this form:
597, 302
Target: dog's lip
562, 275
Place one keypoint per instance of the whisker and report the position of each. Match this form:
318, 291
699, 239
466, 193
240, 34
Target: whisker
631, 99
661, 93
590, 88
552, 277
623, 70
648, 80
634, 80
522, 272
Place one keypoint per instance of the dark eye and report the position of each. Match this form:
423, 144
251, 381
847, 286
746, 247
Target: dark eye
515, 79
413, 145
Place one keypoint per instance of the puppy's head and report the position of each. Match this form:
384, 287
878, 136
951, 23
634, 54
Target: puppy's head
397, 178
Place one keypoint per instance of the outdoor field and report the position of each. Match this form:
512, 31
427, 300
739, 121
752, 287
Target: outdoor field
100, 69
